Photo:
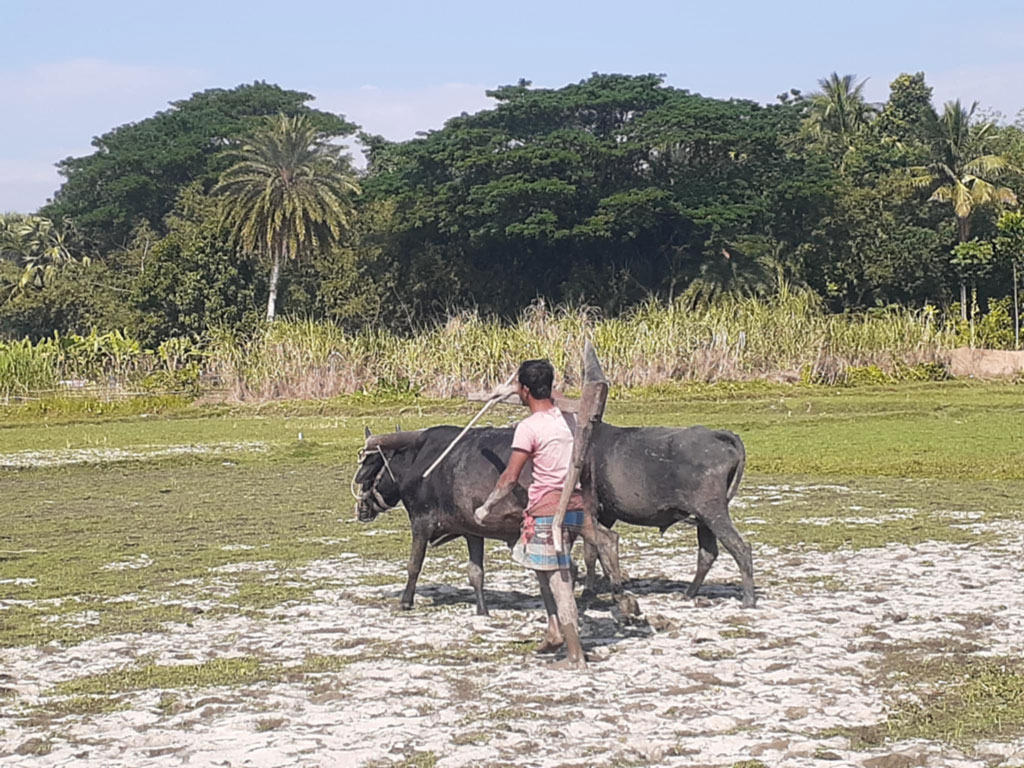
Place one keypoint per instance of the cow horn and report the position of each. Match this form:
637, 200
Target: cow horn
393, 441
367, 432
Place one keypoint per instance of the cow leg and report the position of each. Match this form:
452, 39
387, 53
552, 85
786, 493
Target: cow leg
706, 556
605, 542
606, 545
723, 529
590, 559
419, 551
476, 572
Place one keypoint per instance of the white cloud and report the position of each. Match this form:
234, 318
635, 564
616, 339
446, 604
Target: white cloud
399, 113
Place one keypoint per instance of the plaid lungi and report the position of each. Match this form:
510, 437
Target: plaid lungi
536, 546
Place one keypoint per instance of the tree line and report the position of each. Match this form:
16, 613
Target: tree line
234, 205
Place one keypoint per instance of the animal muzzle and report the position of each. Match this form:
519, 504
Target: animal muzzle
370, 506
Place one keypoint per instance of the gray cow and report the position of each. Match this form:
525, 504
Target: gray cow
650, 476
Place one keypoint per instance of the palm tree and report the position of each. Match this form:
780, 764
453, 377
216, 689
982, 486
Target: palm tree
964, 171
287, 193
37, 246
838, 111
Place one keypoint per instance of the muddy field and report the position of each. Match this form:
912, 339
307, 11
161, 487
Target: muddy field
844, 645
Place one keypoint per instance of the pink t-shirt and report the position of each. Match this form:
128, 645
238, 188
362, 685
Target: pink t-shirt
547, 438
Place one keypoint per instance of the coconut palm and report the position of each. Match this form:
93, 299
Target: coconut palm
837, 112
964, 171
287, 193
37, 246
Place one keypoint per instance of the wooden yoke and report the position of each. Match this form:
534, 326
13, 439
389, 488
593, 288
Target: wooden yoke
591, 411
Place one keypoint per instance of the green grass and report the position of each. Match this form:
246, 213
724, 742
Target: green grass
960, 699
964, 701
954, 429
239, 670
83, 705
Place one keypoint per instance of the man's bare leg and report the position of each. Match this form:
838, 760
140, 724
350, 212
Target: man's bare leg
553, 639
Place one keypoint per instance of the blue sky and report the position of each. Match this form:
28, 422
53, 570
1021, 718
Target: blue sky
72, 69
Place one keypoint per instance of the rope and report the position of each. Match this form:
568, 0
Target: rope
387, 466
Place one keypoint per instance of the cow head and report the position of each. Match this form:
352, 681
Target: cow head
377, 477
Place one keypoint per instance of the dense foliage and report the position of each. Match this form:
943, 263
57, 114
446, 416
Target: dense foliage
606, 193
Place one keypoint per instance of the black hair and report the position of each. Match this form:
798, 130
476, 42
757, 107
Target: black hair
537, 376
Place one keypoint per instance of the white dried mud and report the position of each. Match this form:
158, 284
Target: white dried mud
705, 683
67, 456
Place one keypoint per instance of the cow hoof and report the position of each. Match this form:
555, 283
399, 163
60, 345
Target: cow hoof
482, 612
588, 594
403, 606
628, 605
750, 604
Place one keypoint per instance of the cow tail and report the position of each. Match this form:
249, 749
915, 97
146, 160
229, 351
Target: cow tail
737, 474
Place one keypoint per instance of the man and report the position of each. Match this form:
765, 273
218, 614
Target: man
545, 437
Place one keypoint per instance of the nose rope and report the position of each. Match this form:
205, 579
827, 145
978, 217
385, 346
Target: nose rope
376, 493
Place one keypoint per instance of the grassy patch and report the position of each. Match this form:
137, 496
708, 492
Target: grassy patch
380, 579
265, 724
964, 701
955, 699
35, 747
857, 514
241, 670
264, 594
97, 533
951, 429
83, 705
471, 737
74, 622
411, 759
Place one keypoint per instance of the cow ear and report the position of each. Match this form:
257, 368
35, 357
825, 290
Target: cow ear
367, 431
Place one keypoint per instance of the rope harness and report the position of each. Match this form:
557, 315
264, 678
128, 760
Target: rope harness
363, 453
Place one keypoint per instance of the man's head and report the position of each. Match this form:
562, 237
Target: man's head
536, 378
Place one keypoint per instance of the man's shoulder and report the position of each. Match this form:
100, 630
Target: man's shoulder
549, 422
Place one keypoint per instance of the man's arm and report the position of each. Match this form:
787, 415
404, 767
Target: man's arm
506, 483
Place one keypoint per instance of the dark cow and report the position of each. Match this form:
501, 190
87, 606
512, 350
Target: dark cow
651, 476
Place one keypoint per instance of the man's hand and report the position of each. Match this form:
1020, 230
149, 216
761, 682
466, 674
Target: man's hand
506, 483
481, 513
503, 390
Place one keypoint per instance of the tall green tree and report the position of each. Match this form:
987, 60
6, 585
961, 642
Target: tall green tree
137, 169
607, 191
287, 194
1010, 245
908, 116
837, 113
192, 278
964, 171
